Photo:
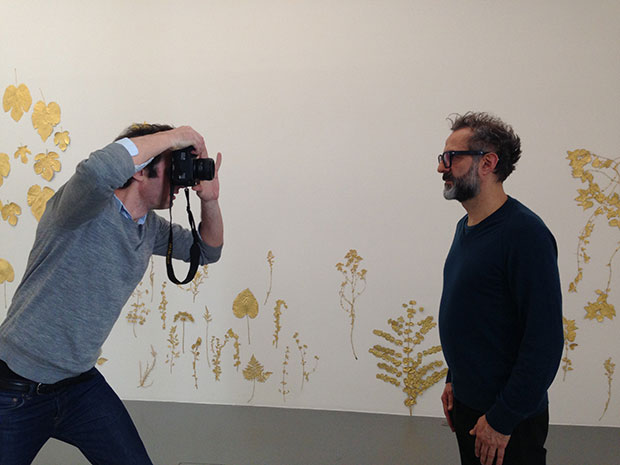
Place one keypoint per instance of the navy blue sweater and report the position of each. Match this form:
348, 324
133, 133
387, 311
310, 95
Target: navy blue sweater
500, 319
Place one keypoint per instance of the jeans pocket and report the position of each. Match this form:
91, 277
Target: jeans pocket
10, 400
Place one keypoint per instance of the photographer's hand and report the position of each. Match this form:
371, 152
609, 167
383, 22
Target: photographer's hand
174, 139
211, 223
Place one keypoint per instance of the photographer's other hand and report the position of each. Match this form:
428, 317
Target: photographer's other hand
210, 190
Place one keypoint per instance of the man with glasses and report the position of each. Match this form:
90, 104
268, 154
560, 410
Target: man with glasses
500, 318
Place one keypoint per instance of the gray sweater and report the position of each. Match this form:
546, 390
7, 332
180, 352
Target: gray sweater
86, 260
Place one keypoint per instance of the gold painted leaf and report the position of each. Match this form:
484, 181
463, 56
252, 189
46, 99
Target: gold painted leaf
10, 212
45, 117
18, 100
46, 165
254, 371
62, 140
5, 167
22, 152
245, 304
6, 271
101, 360
37, 200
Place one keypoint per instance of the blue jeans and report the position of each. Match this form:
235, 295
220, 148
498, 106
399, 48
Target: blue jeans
88, 415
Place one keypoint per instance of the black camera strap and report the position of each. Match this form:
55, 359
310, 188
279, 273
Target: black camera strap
194, 251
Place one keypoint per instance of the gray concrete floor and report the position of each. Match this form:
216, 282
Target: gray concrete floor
199, 434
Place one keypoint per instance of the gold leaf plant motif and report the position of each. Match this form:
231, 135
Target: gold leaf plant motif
245, 305
254, 372
400, 363
303, 353
101, 361
62, 140
7, 274
5, 167
194, 285
173, 345
283, 389
277, 313
22, 153
152, 278
590, 168
570, 334
144, 375
162, 305
17, 100
10, 212
216, 349
350, 290
45, 117
183, 317
609, 373
196, 356
37, 200
270, 260
139, 310
46, 164
208, 318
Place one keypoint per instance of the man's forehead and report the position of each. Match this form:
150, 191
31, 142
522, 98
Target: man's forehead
459, 138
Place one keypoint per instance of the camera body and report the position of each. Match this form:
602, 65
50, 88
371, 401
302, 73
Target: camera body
186, 169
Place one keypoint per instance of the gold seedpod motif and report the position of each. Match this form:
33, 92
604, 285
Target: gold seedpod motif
350, 290
17, 100
245, 305
399, 364
45, 117
7, 274
37, 200
255, 372
303, 354
139, 310
173, 345
208, 318
10, 212
46, 164
162, 305
5, 167
270, 260
277, 313
570, 334
22, 153
283, 390
183, 317
196, 356
610, 367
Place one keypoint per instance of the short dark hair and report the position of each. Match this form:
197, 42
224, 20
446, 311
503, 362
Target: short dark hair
143, 129
491, 134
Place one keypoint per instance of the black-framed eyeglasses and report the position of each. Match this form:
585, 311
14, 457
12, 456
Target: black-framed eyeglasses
446, 157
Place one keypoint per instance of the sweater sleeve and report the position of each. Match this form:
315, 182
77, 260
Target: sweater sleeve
92, 185
534, 284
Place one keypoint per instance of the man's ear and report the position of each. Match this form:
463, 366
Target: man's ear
489, 163
139, 175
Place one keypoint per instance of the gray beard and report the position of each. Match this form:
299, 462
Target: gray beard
464, 188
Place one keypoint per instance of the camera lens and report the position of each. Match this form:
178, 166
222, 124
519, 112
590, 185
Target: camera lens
204, 169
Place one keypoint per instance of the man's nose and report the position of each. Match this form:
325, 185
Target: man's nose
441, 168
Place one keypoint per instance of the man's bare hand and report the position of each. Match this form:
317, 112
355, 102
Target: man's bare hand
489, 443
447, 399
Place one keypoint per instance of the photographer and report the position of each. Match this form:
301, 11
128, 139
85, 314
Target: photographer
92, 247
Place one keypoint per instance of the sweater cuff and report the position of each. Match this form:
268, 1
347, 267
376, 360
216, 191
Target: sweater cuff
502, 419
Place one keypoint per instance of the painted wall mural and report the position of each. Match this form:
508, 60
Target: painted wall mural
353, 285
600, 197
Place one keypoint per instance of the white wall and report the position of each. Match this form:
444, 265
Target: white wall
329, 116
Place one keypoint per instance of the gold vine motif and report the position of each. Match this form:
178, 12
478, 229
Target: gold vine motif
590, 168
570, 334
400, 363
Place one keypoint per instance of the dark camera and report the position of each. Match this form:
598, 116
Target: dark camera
187, 169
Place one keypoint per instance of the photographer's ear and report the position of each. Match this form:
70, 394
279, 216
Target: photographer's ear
140, 175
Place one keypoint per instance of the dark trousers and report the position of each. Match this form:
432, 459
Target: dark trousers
526, 445
88, 415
